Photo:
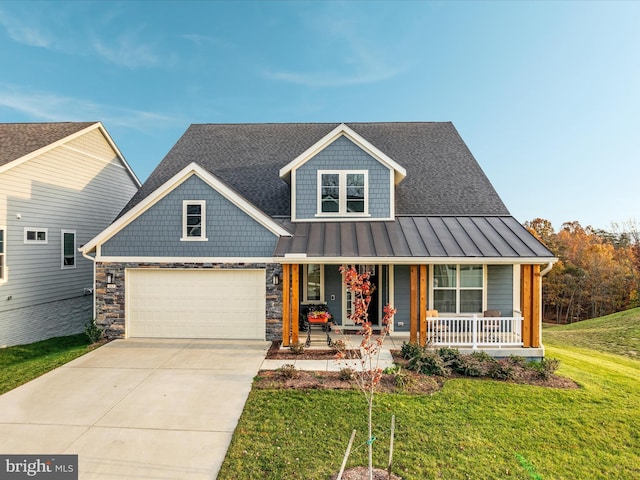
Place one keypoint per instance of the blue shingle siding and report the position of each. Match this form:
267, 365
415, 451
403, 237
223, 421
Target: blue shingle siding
333, 286
157, 232
342, 154
500, 289
401, 282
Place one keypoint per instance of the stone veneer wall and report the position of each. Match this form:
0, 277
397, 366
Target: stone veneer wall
110, 299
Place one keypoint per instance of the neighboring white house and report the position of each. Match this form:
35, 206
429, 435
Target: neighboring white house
60, 185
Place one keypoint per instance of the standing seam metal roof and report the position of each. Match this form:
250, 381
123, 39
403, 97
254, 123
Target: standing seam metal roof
417, 236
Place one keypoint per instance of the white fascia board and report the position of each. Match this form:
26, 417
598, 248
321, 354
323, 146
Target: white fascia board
115, 259
168, 187
290, 258
329, 138
120, 155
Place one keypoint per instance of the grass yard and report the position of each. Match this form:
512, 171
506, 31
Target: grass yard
470, 429
23, 363
616, 333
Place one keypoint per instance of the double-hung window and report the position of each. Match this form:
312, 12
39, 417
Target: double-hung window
68, 249
343, 192
458, 288
3, 254
35, 235
313, 281
194, 225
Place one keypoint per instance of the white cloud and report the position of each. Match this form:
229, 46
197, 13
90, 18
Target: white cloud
23, 33
127, 52
66, 35
48, 107
354, 57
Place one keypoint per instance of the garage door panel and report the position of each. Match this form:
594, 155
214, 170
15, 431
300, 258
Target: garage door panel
196, 303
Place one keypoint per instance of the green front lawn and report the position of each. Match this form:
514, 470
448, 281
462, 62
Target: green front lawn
23, 363
470, 429
616, 333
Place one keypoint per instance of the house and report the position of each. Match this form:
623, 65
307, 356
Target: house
60, 185
242, 226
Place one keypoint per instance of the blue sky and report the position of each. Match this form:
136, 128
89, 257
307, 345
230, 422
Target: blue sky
545, 94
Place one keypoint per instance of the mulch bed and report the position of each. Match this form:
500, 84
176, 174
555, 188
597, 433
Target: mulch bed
411, 382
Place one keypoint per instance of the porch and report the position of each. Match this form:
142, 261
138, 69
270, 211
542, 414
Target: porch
517, 332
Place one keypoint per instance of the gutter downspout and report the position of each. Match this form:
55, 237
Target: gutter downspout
547, 269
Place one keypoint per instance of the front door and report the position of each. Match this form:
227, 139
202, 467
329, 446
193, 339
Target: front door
374, 308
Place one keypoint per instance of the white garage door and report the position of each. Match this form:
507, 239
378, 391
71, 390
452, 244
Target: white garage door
168, 303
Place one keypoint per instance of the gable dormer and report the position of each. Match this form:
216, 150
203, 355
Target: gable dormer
342, 177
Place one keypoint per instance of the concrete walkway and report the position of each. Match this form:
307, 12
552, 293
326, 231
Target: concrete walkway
318, 342
152, 409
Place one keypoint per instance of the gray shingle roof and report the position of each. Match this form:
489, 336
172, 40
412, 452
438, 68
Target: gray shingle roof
443, 177
414, 237
20, 139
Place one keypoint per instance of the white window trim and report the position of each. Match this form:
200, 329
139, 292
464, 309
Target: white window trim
305, 272
203, 235
75, 258
458, 288
3, 256
34, 229
342, 193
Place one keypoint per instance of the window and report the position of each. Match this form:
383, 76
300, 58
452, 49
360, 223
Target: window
3, 268
68, 249
342, 193
35, 235
458, 288
313, 284
194, 220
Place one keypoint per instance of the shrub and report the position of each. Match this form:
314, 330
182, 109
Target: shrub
476, 364
93, 331
339, 346
392, 370
288, 370
297, 348
545, 367
410, 350
347, 374
503, 369
403, 379
450, 355
429, 363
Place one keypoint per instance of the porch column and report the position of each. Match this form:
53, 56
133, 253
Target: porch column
295, 302
531, 303
423, 305
286, 304
413, 304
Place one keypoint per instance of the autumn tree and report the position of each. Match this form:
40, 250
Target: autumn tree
597, 273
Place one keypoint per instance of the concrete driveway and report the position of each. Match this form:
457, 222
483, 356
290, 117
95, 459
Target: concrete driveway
152, 409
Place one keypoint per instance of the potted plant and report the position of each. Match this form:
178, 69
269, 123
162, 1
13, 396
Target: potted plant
316, 315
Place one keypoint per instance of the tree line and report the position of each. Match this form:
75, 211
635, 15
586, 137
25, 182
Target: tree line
598, 271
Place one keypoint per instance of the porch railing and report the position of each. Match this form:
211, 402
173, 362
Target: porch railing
476, 331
